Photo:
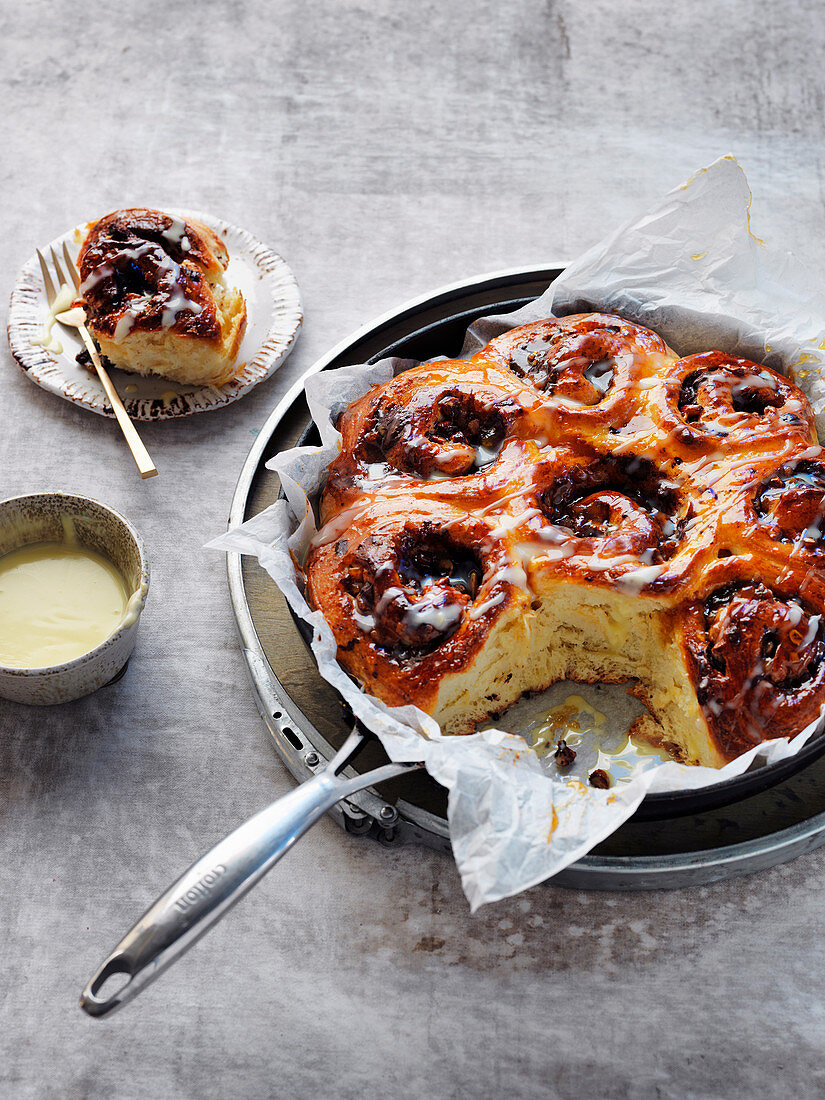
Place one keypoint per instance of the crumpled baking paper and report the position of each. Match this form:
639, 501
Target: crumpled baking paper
691, 270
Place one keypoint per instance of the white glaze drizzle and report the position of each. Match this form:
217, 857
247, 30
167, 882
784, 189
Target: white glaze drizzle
134, 307
178, 303
427, 614
137, 303
795, 613
509, 523
46, 340
338, 524
638, 579
477, 610
176, 234
813, 627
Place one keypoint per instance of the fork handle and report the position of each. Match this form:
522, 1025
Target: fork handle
144, 463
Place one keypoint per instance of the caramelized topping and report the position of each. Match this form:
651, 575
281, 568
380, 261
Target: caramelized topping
755, 635
724, 393
622, 502
760, 662
411, 590
792, 504
581, 361
456, 434
466, 422
147, 270
576, 365
141, 275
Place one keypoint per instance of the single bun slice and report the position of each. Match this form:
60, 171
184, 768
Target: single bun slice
156, 300
577, 502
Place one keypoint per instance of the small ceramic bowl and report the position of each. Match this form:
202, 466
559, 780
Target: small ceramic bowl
46, 517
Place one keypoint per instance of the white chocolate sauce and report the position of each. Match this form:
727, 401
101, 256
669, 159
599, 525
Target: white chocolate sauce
59, 600
176, 234
178, 303
63, 301
134, 308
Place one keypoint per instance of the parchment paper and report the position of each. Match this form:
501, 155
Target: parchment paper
691, 270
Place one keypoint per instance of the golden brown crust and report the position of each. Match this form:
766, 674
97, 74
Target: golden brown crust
164, 263
756, 653
588, 366
683, 497
412, 589
153, 289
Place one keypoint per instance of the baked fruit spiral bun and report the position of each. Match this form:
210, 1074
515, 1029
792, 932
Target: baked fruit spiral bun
756, 654
155, 297
578, 502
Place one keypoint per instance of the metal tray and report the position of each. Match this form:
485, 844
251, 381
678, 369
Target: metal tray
305, 717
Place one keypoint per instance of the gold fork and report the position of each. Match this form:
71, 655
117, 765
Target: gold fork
76, 318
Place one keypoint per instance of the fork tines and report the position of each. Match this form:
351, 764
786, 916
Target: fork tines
51, 293
62, 280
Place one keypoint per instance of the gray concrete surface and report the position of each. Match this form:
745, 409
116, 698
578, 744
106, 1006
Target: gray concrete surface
383, 150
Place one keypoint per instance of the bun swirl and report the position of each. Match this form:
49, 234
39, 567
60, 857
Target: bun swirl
617, 506
759, 662
715, 397
410, 595
790, 505
449, 432
589, 368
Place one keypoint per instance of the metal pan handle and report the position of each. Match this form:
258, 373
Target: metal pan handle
212, 885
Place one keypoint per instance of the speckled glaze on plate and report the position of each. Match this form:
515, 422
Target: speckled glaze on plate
274, 317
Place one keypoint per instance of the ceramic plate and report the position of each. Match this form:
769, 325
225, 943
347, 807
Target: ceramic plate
274, 318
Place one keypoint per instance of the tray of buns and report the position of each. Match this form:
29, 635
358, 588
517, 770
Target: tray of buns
754, 820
